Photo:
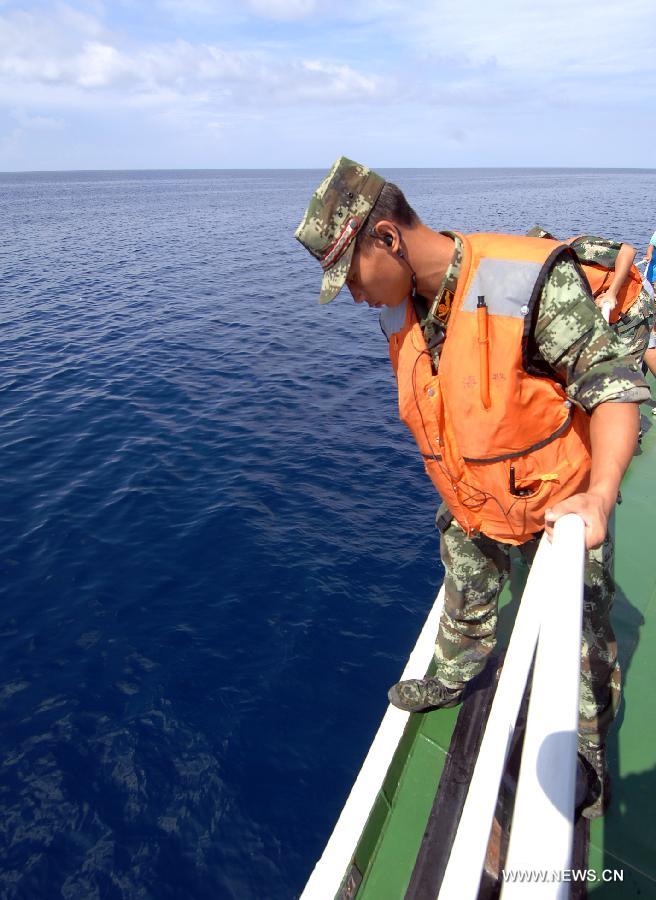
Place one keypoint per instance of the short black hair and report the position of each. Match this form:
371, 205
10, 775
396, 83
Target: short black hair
392, 205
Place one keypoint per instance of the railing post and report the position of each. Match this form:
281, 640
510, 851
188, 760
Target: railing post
542, 827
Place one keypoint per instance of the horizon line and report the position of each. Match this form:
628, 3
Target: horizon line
320, 169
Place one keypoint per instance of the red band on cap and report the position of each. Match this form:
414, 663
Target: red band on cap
339, 245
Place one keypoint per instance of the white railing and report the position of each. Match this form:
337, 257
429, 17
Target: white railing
541, 834
646, 284
543, 819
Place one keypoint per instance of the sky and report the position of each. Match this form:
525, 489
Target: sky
295, 83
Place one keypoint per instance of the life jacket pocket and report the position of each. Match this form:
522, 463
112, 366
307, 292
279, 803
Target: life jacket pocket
510, 497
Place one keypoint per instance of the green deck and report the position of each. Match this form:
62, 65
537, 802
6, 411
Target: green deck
626, 838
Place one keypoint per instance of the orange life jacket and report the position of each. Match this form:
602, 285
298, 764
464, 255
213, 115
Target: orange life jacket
500, 444
600, 277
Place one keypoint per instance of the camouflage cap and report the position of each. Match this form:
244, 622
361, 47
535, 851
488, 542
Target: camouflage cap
338, 209
539, 232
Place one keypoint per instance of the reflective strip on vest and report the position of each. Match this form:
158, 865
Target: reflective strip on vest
506, 284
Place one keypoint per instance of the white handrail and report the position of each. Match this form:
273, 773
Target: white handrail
543, 819
463, 872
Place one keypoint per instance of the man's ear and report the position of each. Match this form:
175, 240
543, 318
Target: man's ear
388, 232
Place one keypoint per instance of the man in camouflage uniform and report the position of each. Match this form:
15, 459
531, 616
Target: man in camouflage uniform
634, 326
367, 237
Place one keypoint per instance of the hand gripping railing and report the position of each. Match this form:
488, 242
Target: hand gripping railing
541, 833
606, 308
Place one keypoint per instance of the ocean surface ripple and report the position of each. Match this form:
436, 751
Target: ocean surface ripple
218, 540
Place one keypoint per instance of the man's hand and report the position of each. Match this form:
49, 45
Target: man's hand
609, 297
592, 508
613, 435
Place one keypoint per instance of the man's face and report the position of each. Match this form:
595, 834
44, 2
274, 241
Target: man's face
377, 277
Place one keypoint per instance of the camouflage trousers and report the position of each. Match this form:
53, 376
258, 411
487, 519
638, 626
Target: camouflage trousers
475, 570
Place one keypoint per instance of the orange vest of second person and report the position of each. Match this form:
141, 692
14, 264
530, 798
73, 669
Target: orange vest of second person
500, 444
599, 278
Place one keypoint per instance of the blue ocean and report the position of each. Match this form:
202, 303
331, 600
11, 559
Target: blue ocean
217, 538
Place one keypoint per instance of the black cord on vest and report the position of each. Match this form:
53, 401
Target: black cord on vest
478, 498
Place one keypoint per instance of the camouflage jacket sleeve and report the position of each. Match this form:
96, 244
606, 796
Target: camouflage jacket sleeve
591, 249
571, 336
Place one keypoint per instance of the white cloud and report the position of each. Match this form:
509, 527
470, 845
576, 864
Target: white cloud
442, 72
283, 10
554, 39
225, 10
76, 52
335, 12
444, 53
